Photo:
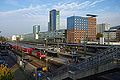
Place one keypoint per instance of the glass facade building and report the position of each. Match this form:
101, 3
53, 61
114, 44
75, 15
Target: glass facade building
54, 20
50, 36
77, 22
36, 29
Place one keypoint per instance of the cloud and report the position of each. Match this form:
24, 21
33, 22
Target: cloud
31, 11
78, 8
74, 8
76, 5
21, 21
95, 2
71, 6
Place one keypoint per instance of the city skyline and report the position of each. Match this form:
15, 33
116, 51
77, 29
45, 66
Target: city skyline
18, 17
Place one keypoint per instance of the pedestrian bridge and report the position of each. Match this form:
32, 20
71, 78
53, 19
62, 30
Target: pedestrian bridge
103, 61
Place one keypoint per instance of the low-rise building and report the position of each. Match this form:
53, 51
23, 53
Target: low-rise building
28, 37
117, 28
110, 35
54, 36
58, 36
118, 34
113, 34
102, 27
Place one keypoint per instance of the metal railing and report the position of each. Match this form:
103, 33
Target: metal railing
108, 56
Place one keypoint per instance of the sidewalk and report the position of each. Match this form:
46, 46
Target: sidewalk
18, 73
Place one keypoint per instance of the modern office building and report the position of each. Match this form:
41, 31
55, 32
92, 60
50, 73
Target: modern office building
110, 35
118, 34
113, 34
36, 30
100, 28
58, 36
54, 20
28, 37
91, 28
81, 28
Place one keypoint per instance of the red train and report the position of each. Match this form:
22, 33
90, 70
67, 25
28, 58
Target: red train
28, 50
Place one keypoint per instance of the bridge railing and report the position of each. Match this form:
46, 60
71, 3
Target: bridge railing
101, 58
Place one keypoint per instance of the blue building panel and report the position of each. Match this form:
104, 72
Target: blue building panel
70, 23
77, 22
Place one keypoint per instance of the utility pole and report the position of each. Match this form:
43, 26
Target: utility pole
85, 42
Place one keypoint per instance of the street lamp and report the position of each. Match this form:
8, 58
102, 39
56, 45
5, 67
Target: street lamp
46, 52
45, 42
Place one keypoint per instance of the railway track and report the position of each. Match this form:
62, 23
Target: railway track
35, 61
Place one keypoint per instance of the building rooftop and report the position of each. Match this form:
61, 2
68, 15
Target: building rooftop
110, 31
115, 27
77, 17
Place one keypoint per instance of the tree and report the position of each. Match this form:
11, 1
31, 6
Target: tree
3, 39
5, 73
99, 35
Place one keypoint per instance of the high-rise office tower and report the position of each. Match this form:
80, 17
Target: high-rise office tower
54, 20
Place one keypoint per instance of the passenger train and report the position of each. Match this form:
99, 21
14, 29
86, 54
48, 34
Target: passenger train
28, 50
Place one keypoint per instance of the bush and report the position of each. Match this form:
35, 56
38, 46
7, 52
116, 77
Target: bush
5, 73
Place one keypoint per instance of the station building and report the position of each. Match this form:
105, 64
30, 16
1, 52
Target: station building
57, 36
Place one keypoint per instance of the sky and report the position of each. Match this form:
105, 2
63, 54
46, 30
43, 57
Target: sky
19, 16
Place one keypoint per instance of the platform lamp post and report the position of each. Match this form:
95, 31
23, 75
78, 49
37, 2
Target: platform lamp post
45, 42
46, 52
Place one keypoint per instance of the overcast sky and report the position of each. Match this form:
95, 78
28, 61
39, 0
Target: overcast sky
18, 16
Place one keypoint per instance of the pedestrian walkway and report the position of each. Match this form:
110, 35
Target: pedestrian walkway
14, 68
18, 73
